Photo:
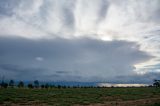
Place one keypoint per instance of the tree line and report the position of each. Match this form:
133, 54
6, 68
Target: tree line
36, 84
21, 84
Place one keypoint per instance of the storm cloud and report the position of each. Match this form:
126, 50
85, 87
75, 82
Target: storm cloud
66, 58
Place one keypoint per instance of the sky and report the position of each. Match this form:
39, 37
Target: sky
80, 40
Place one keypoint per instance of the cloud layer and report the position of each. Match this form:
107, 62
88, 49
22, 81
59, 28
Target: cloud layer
59, 59
118, 19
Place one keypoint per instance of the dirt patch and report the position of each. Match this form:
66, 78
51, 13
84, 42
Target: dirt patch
23, 104
140, 102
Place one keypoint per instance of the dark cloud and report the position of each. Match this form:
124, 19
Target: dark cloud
103, 9
137, 78
68, 15
61, 72
80, 59
12, 71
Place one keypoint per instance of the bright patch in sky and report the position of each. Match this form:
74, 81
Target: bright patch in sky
39, 59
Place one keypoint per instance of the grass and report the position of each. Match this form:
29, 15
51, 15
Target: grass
71, 96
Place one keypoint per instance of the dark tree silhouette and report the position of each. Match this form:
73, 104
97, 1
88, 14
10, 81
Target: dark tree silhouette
46, 86
21, 84
30, 86
4, 85
42, 86
156, 83
36, 84
11, 83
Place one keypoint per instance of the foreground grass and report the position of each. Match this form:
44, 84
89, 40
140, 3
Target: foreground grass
72, 96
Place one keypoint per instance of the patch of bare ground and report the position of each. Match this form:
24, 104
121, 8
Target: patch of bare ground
23, 104
139, 102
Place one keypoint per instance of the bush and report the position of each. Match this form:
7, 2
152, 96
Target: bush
30, 86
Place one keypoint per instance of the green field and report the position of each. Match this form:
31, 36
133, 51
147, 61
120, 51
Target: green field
79, 96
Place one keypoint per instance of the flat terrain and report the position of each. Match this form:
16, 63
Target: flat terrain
80, 97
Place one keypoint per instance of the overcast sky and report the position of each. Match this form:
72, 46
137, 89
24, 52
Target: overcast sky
80, 40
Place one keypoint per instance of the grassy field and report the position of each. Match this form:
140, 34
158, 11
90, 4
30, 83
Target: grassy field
80, 96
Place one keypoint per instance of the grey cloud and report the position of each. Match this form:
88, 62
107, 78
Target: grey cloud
54, 17
63, 10
16, 68
9, 67
68, 14
7, 7
103, 9
12, 71
51, 15
85, 58
62, 72
137, 78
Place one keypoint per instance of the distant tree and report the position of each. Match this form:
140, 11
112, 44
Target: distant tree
36, 84
21, 84
150, 86
42, 86
11, 83
52, 86
156, 83
46, 86
30, 86
59, 86
74, 87
4, 85
68, 87
64, 86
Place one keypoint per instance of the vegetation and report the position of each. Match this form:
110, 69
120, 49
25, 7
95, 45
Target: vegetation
36, 94
72, 96
11, 83
30, 86
156, 83
21, 84
36, 84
